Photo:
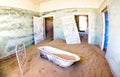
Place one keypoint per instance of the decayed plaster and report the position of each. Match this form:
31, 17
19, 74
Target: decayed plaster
113, 50
24, 4
16, 25
112, 53
93, 16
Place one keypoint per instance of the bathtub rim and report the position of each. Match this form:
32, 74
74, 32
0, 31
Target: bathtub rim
77, 58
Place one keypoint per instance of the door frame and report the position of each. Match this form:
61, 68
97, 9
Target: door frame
44, 26
103, 27
88, 22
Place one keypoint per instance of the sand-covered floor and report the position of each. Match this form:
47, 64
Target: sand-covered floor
92, 63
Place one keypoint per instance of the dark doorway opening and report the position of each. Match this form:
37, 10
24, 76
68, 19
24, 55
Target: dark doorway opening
49, 27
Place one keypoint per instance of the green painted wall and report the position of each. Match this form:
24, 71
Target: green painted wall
94, 24
16, 25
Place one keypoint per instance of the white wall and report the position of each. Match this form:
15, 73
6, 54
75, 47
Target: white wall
62, 4
25, 4
113, 51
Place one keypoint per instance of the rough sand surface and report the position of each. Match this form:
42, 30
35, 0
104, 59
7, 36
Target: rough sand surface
92, 63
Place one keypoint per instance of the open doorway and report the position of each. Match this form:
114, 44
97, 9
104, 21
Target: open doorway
48, 22
82, 26
105, 29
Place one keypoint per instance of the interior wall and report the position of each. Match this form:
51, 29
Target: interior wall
113, 51
24, 4
16, 25
62, 4
93, 16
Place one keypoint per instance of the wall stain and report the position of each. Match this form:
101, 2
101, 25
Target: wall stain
16, 25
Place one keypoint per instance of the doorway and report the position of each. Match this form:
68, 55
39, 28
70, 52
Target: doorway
48, 22
106, 30
82, 26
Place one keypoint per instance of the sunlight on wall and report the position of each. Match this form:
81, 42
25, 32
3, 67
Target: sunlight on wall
113, 51
83, 23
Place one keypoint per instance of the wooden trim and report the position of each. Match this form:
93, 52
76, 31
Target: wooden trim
104, 9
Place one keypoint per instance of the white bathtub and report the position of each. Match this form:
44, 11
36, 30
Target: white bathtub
50, 53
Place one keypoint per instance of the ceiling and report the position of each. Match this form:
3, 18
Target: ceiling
38, 1
86, 1
47, 5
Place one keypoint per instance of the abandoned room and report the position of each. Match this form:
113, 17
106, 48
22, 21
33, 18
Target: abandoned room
59, 38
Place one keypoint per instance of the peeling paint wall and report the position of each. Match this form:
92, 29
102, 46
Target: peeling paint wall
113, 51
70, 30
16, 25
93, 16
25, 4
